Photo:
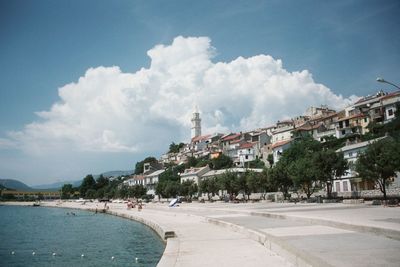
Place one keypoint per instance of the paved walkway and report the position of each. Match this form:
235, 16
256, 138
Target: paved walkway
275, 234
197, 242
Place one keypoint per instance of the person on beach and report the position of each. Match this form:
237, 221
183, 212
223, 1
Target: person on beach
139, 208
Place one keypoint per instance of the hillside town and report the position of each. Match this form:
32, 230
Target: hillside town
349, 128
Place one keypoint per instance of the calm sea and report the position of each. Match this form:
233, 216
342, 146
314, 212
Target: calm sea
30, 235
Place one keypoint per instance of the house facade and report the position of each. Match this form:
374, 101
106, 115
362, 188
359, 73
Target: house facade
194, 174
350, 181
150, 181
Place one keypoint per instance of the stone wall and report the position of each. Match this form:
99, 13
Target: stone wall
393, 192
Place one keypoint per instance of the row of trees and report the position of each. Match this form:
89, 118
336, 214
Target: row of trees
102, 187
307, 166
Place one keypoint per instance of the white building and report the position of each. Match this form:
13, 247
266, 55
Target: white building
389, 104
150, 181
194, 174
135, 180
245, 153
350, 180
283, 131
278, 148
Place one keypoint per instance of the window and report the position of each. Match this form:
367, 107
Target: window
246, 157
390, 112
337, 184
376, 111
365, 119
345, 186
350, 154
343, 132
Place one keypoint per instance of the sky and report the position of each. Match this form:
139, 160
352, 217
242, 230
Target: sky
93, 86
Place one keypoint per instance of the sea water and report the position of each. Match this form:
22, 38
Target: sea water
39, 236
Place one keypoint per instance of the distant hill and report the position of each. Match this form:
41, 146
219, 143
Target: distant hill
2, 187
15, 184
57, 185
76, 183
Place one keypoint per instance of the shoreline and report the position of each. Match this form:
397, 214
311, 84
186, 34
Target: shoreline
273, 233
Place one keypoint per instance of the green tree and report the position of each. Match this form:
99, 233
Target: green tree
242, 186
191, 162
329, 165
213, 186
172, 173
222, 162
100, 193
122, 192
188, 188
136, 191
172, 189
101, 182
379, 162
280, 179
203, 187
209, 186
303, 174
160, 187
91, 193
266, 184
296, 164
253, 182
174, 148
229, 181
66, 191
87, 184
257, 163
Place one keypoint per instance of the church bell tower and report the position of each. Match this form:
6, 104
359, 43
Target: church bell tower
196, 123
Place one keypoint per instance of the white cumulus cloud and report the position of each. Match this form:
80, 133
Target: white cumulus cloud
108, 110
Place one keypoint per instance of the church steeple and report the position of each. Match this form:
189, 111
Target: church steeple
196, 123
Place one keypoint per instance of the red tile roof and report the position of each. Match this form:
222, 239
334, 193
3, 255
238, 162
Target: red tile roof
308, 127
393, 94
246, 145
282, 143
200, 138
352, 117
230, 137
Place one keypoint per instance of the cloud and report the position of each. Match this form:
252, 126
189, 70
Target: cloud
108, 110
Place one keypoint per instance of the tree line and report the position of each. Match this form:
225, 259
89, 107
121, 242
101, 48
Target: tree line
102, 187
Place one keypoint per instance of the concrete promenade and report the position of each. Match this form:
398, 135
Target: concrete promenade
270, 234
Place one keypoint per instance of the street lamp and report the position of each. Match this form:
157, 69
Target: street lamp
381, 80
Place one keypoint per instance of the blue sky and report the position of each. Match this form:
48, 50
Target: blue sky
46, 45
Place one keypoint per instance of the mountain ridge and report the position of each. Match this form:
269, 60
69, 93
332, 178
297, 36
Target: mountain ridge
18, 185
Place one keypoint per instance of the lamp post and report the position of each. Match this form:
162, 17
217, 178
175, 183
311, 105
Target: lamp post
381, 80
